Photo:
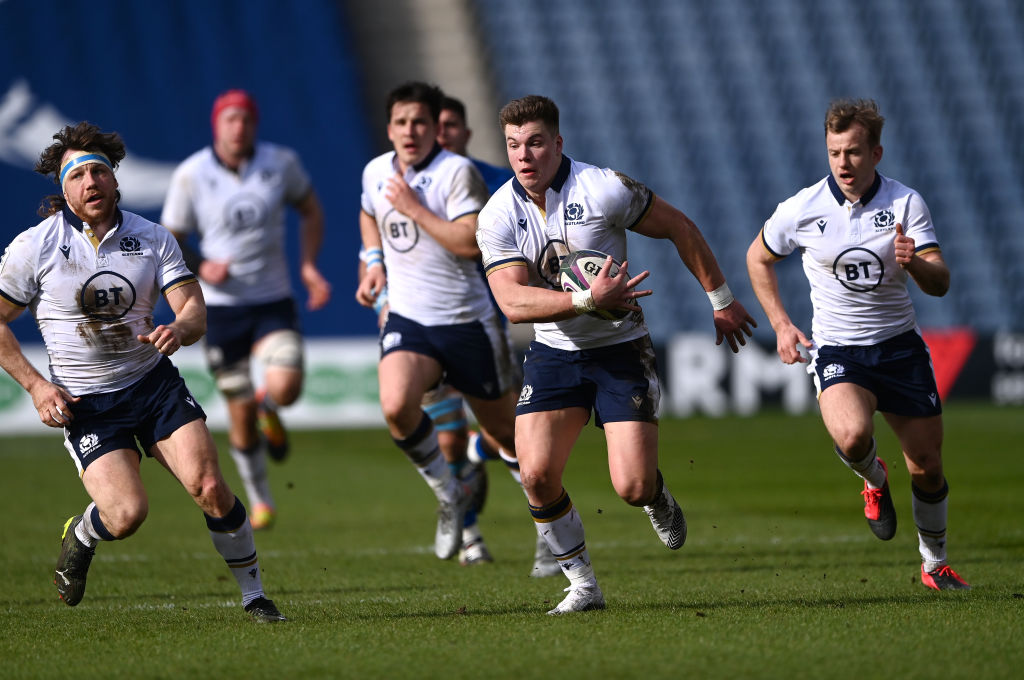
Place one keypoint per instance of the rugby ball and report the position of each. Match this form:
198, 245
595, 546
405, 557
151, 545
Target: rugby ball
578, 269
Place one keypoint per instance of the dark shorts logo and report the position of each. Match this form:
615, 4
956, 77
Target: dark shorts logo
106, 296
550, 258
401, 232
858, 269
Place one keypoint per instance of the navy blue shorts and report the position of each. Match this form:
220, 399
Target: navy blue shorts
231, 332
898, 371
619, 382
475, 357
148, 411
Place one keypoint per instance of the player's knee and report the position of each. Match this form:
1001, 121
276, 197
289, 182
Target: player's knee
539, 483
281, 348
234, 381
636, 492
853, 443
126, 517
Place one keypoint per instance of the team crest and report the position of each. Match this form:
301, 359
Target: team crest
573, 213
130, 245
423, 182
391, 340
88, 444
833, 371
526, 394
883, 220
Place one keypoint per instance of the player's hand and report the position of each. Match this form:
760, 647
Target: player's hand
402, 196
214, 271
52, 403
618, 292
166, 339
904, 247
732, 323
370, 286
786, 340
317, 286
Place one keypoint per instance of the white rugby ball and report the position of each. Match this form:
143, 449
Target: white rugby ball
579, 269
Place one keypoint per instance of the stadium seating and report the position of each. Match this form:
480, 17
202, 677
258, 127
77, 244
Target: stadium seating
718, 106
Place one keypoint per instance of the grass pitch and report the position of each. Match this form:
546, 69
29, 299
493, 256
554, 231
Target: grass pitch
780, 576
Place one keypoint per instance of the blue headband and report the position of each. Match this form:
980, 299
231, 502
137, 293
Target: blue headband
82, 158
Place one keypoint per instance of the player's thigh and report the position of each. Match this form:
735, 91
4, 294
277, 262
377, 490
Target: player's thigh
497, 417
404, 377
632, 458
921, 441
544, 440
190, 454
847, 409
114, 483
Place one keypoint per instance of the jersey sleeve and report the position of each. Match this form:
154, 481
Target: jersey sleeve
468, 192
365, 198
626, 201
917, 224
296, 180
778, 235
178, 213
19, 281
171, 271
495, 236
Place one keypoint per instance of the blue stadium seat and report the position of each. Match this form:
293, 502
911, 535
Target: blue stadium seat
719, 108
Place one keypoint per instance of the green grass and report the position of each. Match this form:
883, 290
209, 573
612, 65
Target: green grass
779, 577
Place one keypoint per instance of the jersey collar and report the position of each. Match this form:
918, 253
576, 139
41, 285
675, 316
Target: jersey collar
840, 197
77, 222
556, 184
422, 165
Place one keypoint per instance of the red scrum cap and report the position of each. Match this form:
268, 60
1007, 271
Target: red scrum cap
234, 98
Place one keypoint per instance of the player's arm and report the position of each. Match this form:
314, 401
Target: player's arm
311, 229
50, 401
765, 282
458, 236
189, 325
522, 303
664, 221
928, 269
373, 280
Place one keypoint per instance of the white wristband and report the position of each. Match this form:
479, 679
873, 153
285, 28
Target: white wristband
721, 297
583, 301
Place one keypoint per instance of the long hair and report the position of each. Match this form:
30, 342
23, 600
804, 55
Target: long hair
82, 137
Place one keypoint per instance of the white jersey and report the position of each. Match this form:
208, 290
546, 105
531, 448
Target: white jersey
588, 208
858, 291
91, 299
240, 218
427, 282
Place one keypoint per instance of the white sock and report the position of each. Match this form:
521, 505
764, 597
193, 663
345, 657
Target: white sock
867, 468
232, 537
930, 510
512, 463
471, 534
85, 531
252, 468
562, 529
422, 449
